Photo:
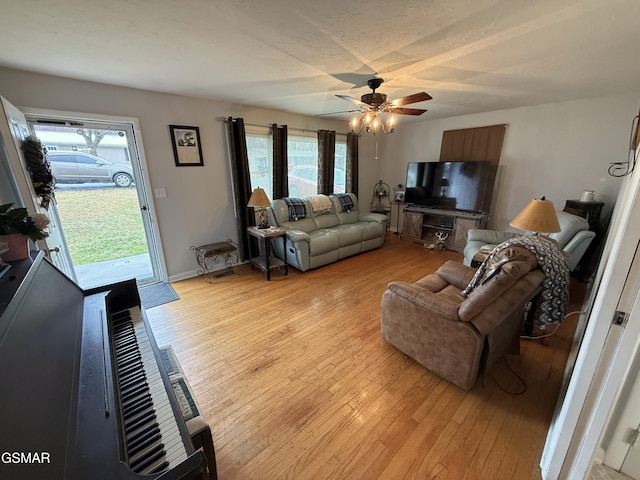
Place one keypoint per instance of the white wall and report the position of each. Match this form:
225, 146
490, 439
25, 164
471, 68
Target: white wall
198, 208
557, 150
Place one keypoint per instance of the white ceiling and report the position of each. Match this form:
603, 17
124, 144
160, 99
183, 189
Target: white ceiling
296, 55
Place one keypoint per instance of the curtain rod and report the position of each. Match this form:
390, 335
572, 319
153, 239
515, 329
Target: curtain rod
269, 125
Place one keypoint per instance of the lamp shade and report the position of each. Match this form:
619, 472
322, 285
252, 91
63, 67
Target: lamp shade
259, 198
538, 216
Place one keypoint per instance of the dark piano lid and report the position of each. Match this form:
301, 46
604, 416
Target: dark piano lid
40, 340
41, 353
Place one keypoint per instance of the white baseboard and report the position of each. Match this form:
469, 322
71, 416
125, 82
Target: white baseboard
194, 273
183, 276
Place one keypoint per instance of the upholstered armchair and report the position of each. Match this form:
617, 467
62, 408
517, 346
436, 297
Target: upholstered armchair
573, 238
458, 337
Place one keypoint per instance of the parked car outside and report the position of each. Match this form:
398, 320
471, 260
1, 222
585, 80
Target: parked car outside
80, 167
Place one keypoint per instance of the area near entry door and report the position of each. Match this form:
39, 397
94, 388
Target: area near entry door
102, 197
14, 129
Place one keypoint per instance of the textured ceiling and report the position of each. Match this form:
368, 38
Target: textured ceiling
296, 55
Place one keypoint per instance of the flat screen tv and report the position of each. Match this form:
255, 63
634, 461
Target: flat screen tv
449, 185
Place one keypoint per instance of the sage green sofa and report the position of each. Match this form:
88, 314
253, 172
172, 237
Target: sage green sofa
573, 238
326, 235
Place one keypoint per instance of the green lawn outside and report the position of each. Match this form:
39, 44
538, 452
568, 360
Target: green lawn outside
101, 224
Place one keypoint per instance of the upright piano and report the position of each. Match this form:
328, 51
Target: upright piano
83, 390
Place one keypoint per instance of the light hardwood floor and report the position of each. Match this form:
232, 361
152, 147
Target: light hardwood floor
296, 381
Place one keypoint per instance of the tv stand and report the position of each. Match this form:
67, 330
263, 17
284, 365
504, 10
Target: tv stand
422, 223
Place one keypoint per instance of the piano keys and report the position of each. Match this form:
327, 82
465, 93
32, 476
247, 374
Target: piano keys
84, 392
145, 403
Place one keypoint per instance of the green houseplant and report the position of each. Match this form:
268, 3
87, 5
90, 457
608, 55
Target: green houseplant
18, 220
16, 226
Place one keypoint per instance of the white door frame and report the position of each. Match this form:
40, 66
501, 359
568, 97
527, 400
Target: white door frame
144, 189
13, 130
617, 451
603, 360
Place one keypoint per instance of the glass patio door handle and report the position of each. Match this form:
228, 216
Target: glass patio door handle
53, 250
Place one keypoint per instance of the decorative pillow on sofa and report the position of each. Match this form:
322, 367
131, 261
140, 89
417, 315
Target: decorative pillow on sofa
297, 210
346, 202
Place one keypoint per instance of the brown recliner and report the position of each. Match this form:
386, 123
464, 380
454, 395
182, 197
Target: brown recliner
455, 337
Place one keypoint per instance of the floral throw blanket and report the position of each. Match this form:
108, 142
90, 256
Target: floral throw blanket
555, 287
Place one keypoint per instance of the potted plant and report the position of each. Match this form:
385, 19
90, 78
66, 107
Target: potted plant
17, 226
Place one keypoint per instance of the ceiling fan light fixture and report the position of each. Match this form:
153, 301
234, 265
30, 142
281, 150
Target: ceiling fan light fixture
377, 114
372, 122
391, 122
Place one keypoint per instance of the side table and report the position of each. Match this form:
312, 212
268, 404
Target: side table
589, 210
268, 262
213, 253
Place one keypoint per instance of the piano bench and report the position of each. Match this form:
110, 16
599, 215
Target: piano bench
198, 428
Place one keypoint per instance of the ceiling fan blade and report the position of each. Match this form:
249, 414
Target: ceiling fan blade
407, 111
336, 113
353, 100
415, 98
356, 79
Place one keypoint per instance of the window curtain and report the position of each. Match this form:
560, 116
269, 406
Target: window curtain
351, 168
326, 160
241, 180
280, 161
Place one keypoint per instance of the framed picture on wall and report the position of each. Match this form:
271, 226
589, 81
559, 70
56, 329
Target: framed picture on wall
186, 145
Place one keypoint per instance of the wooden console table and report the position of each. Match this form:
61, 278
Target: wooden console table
422, 223
267, 261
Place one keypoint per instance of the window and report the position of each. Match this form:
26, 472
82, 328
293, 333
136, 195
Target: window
260, 153
339, 177
302, 151
85, 160
302, 162
61, 158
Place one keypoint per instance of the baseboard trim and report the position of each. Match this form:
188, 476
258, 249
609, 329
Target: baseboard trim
194, 273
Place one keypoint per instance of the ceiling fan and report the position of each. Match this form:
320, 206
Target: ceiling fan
372, 105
